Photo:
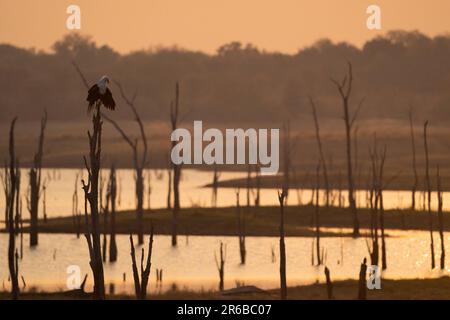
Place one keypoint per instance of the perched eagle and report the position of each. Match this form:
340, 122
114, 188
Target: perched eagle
100, 91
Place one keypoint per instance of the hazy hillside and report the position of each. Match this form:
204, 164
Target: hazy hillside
240, 83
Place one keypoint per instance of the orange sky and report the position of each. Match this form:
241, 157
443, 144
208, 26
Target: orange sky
275, 25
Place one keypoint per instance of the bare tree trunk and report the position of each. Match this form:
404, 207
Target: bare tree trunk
258, 186
221, 265
140, 285
12, 181
362, 281
91, 195
329, 284
317, 216
215, 187
113, 195
174, 118
283, 286
440, 219
345, 88
169, 188
321, 154
241, 229
427, 179
416, 178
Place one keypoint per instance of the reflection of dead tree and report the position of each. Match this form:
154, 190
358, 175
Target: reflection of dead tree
140, 286
241, 229
413, 145
11, 183
91, 195
440, 218
345, 88
35, 185
321, 154
283, 287
427, 180
215, 187
221, 264
112, 197
174, 118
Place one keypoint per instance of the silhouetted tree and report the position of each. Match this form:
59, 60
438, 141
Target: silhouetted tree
283, 286
345, 89
428, 185
221, 265
413, 146
440, 218
140, 285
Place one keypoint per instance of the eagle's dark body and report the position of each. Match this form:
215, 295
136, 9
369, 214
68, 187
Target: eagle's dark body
95, 94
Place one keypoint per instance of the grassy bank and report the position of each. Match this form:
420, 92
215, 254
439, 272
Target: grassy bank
416, 289
263, 221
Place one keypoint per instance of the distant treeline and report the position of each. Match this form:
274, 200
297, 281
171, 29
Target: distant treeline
238, 83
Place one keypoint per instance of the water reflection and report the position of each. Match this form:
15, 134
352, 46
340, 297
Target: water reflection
191, 265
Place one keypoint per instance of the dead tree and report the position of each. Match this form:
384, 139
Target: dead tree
321, 154
75, 211
11, 180
149, 189
169, 187
221, 265
35, 185
329, 284
283, 286
414, 167
249, 184
287, 159
174, 118
362, 284
215, 187
440, 218
105, 210
112, 198
241, 229
139, 161
345, 88
317, 215
428, 184
6, 186
140, 285
258, 186
91, 194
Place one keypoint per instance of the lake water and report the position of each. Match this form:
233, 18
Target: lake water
192, 265
61, 184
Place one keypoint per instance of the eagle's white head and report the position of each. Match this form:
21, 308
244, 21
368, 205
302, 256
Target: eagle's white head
103, 84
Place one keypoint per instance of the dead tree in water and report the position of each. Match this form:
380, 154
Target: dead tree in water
287, 159
258, 186
249, 184
416, 178
91, 195
283, 286
105, 210
321, 154
35, 185
345, 88
75, 211
317, 216
139, 162
11, 181
440, 218
221, 265
174, 118
329, 284
140, 285
215, 187
427, 180
241, 229
169, 186
112, 198
362, 284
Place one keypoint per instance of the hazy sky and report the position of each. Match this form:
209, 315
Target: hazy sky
275, 25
